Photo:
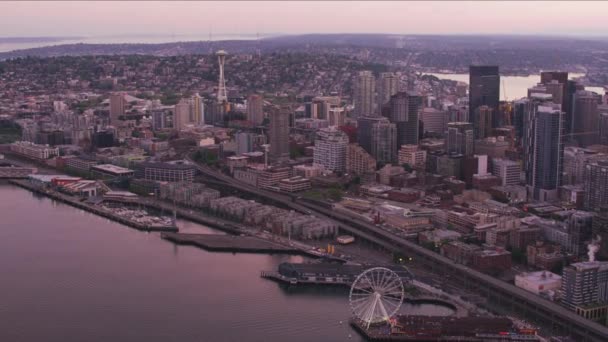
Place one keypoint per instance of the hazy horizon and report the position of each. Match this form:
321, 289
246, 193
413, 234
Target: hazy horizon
245, 18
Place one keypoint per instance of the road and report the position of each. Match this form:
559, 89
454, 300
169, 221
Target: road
560, 318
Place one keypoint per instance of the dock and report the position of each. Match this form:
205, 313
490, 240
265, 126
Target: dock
229, 243
75, 202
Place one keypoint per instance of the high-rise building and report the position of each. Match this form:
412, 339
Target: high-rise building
603, 124
404, 114
434, 120
364, 131
585, 285
507, 170
244, 142
159, 118
222, 94
389, 83
336, 116
181, 115
585, 118
560, 77
255, 109
364, 90
117, 107
546, 164
483, 122
459, 138
484, 88
330, 149
384, 141
596, 185
197, 110
279, 132
358, 161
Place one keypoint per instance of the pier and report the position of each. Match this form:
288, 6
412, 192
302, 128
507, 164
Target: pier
94, 209
229, 243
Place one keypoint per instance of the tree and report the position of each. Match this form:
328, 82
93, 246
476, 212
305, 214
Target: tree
334, 194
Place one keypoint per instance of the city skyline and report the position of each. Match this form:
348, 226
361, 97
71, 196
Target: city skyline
202, 18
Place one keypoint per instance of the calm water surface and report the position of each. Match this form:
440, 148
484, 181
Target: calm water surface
516, 86
67, 275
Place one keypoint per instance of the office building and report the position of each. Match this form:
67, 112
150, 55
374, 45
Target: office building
255, 111
433, 120
364, 92
507, 170
330, 149
585, 118
561, 78
279, 132
483, 122
459, 138
546, 161
484, 88
384, 141
404, 114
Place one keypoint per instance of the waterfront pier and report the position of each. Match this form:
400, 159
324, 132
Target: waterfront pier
229, 243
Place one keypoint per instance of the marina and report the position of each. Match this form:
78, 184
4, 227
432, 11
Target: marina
138, 220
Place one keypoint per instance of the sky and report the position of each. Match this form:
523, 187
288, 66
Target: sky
90, 18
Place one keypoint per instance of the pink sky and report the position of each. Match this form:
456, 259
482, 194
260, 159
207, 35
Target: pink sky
249, 17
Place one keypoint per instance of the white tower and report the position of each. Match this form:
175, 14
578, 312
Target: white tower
222, 96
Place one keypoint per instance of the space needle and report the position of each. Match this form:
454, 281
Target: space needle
222, 96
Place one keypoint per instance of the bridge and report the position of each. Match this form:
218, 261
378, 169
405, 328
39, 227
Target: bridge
558, 320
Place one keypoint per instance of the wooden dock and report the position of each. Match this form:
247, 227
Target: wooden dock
229, 243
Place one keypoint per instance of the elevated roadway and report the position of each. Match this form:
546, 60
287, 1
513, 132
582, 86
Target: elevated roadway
558, 320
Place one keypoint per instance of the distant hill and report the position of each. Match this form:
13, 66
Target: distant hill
307, 42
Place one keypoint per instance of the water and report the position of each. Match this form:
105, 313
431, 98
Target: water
516, 86
68, 275
142, 39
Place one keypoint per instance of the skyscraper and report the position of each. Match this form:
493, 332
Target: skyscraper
330, 149
585, 118
389, 83
484, 88
404, 114
197, 110
222, 94
384, 141
181, 114
603, 124
548, 150
560, 77
483, 122
596, 185
255, 111
460, 138
364, 92
279, 132
117, 107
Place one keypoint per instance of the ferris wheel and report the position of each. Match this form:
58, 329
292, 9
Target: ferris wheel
376, 295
